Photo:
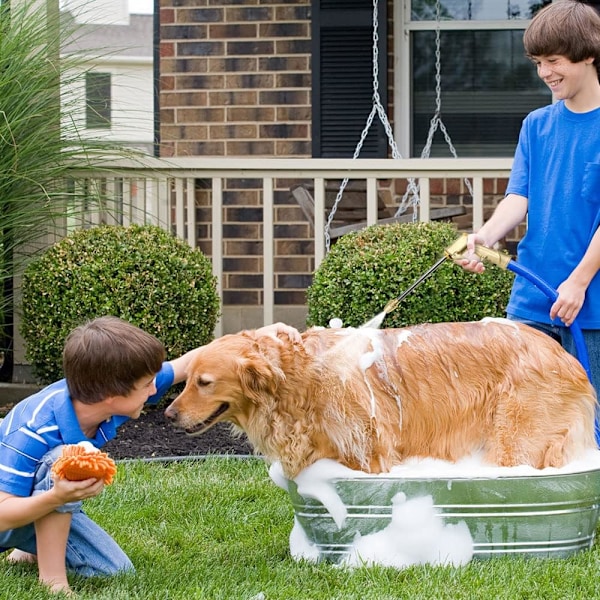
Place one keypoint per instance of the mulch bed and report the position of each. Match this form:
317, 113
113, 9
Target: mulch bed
152, 436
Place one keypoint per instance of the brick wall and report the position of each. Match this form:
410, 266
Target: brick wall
235, 80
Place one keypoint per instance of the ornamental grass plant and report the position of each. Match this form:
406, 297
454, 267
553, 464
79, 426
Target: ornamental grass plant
41, 138
217, 529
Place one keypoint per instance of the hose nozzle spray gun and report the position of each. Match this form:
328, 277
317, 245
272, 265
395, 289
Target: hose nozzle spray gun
453, 252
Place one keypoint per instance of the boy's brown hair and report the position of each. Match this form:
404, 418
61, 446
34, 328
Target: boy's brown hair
107, 356
566, 28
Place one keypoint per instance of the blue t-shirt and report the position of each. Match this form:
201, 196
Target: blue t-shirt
557, 168
46, 420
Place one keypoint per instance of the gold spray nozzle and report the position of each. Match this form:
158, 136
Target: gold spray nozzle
455, 251
391, 305
457, 247
494, 256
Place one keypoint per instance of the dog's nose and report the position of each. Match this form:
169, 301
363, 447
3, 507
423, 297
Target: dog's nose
171, 413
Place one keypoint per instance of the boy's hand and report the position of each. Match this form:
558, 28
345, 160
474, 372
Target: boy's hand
74, 491
277, 328
470, 261
571, 297
84, 461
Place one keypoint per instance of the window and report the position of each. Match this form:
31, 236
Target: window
342, 68
486, 83
98, 97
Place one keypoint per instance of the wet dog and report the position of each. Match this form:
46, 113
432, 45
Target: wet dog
370, 398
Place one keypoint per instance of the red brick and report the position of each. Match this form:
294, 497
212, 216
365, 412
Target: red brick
297, 148
200, 82
233, 31
167, 83
243, 247
285, 63
284, 30
173, 99
200, 149
294, 113
454, 186
233, 98
187, 116
167, 15
166, 49
255, 114
243, 298
247, 13
233, 132
200, 15
250, 148
237, 64
292, 264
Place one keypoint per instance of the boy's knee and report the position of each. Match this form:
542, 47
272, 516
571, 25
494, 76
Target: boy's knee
99, 562
43, 479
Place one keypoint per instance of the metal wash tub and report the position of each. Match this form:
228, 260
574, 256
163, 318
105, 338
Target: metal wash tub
547, 516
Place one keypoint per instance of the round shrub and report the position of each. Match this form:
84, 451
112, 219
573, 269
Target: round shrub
141, 274
366, 269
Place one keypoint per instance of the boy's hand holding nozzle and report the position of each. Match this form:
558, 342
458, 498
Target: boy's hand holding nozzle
470, 260
469, 250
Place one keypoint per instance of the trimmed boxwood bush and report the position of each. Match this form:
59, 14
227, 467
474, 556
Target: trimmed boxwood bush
142, 274
366, 269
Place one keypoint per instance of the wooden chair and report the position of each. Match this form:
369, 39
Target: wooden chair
351, 214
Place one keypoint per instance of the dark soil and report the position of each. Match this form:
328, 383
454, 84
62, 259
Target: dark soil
152, 436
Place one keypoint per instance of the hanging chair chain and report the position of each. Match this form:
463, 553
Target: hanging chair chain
377, 109
436, 120
411, 196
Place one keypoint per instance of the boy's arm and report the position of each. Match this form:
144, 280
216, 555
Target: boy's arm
16, 511
180, 365
571, 292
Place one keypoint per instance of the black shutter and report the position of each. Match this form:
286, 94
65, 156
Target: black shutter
342, 68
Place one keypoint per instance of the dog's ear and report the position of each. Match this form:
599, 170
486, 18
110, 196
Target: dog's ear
259, 375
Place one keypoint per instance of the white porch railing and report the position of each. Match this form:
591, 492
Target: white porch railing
162, 191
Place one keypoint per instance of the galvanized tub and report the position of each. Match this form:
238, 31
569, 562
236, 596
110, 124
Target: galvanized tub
547, 516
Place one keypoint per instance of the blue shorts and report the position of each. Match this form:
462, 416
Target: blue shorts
90, 550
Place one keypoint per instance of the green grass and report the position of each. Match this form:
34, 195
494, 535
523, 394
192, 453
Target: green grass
217, 529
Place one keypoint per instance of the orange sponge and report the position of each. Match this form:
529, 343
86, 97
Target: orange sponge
77, 463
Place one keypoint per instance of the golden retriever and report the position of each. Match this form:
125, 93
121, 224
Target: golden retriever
370, 398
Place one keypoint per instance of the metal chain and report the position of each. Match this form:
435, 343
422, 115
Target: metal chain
411, 195
378, 110
436, 120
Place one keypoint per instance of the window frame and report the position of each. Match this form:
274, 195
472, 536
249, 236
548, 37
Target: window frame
403, 29
102, 119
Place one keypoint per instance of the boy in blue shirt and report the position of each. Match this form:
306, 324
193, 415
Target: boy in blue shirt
112, 369
555, 183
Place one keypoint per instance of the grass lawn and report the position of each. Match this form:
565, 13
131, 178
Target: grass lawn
218, 529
